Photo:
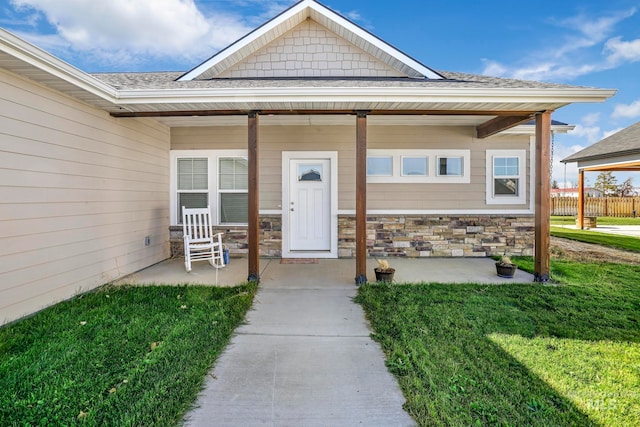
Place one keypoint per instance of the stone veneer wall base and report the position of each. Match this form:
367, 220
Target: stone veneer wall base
411, 236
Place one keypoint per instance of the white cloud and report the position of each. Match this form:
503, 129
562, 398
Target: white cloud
620, 51
592, 133
627, 110
572, 55
121, 30
591, 119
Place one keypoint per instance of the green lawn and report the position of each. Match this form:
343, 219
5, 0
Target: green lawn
116, 356
518, 354
627, 243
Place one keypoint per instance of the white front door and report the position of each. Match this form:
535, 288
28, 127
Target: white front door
308, 215
309, 207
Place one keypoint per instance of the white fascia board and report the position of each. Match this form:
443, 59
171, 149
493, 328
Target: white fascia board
363, 94
371, 39
610, 161
246, 40
38, 58
531, 129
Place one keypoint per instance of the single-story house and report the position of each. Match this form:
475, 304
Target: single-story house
619, 152
308, 137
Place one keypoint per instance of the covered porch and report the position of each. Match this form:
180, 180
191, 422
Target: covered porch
323, 273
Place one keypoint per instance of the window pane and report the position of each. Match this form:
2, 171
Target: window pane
379, 166
414, 166
191, 200
506, 166
193, 174
233, 173
506, 186
234, 208
311, 172
450, 166
226, 182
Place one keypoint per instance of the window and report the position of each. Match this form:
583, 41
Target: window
201, 178
310, 172
379, 166
450, 166
232, 187
414, 166
418, 166
506, 177
193, 184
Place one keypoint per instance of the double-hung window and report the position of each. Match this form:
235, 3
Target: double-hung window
506, 177
192, 183
233, 190
215, 178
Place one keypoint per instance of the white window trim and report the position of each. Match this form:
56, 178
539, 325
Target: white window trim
432, 176
214, 193
521, 198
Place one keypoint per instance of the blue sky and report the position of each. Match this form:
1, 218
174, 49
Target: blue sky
587, 42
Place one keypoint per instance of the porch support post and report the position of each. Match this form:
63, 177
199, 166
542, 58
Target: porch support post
581, 198
542, 197
361, 197
253, 229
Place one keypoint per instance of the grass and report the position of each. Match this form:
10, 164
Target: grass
602, 220
519, 354
627, 243
116, 356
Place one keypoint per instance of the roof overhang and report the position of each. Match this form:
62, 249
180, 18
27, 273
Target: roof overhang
22, 58
444, 100
503, 107
616, 162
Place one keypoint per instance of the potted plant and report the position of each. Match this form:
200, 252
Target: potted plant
505, 267
384, 273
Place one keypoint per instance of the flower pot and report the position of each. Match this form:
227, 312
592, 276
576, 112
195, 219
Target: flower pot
506, 270
384, 275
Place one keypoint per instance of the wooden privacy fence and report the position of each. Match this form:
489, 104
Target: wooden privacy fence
597, 206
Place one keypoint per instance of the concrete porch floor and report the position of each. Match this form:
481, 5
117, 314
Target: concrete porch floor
272, 272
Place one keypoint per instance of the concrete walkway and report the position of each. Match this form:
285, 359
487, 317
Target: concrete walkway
304, 358
623, 230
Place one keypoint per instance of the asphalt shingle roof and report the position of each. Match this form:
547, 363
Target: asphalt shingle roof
626, 141
167, 80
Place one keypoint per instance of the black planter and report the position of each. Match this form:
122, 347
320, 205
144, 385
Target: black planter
384, 275
506, 270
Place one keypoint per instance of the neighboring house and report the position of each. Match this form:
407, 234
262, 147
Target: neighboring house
309, 137
619, 152
573, 192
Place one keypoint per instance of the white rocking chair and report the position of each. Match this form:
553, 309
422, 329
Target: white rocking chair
200, 243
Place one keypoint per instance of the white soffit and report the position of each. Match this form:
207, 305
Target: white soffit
292, 17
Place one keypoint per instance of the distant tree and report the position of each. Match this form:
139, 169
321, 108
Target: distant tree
554, 184
606, 183
626, 188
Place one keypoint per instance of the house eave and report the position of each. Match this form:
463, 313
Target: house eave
403, 98
604, 156
25, 59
